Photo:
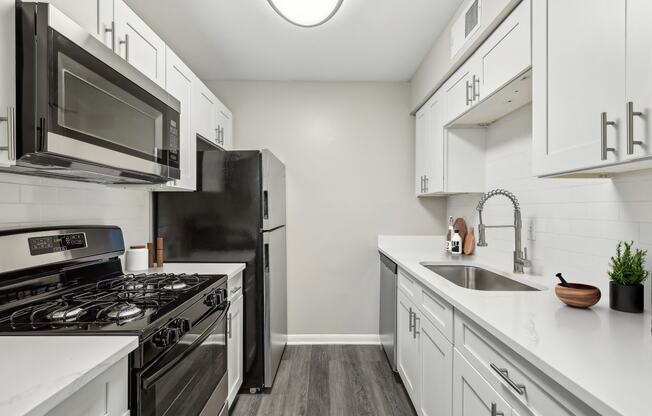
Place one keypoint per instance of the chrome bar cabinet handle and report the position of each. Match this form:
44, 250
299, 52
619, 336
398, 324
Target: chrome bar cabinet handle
112, 31
126, 43
415, 331
504, 374
426, 180
476, 91
469, 99
411, 321
630, 128
494, 410
603, 136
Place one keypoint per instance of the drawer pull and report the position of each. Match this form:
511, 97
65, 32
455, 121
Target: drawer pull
411, 320
494, 410
236, 290
504, 374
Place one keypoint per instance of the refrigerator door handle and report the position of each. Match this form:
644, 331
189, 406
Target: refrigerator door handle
265, 205
266, 258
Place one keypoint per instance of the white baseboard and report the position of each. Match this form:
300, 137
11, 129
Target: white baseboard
343, 339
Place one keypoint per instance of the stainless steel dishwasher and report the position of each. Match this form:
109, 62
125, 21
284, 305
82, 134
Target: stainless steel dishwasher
388, 288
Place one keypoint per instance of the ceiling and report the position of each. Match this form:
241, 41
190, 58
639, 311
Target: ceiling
367, 40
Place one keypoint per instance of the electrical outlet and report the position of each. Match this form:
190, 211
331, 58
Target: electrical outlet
531, 230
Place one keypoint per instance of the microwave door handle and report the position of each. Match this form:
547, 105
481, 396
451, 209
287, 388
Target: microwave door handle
165, 368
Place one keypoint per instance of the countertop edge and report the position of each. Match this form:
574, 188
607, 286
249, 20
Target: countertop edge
75, 385
580, 392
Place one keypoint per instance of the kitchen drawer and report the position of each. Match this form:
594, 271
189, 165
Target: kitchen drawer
105, 395
438, 312
532, 391
234, 286
409, 286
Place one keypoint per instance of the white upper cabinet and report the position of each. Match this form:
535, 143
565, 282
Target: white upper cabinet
96, 16
448, 161
579, 61
204, 112
224, 126
138, 44
639, 86
488, 86
7, 82
179, 83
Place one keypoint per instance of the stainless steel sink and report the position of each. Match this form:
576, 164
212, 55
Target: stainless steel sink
478, 279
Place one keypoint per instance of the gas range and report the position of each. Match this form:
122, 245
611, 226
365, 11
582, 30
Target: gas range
69, 281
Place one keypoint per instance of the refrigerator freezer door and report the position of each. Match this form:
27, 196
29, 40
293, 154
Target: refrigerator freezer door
276, 322
273, 191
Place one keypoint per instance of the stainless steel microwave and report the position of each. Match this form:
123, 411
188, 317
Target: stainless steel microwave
84, 113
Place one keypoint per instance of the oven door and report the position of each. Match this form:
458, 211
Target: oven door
191, 378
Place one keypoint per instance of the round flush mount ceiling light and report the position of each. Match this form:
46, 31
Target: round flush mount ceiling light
306, 13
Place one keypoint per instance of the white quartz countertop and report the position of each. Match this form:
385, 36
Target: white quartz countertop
229, 269
39, 372
603, 357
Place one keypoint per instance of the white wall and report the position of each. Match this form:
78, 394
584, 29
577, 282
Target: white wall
578, 222
29, 201
349, 153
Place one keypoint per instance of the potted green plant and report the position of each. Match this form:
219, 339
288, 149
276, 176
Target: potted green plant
627, 273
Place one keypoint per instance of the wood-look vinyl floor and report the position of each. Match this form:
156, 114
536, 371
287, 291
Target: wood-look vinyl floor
330, 380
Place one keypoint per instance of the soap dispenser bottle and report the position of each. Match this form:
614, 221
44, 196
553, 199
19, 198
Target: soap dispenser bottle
456, 243
449, 235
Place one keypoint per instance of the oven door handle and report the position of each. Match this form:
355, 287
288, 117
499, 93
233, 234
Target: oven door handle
165, 368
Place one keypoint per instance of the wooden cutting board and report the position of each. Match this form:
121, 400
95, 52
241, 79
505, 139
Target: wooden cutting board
460, 225
469, 243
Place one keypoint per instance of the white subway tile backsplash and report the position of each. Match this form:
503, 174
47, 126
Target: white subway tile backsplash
27, 201
578, 221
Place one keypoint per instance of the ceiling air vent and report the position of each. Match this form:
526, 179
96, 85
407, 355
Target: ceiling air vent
471, 19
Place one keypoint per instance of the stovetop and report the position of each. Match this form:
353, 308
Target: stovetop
129, 303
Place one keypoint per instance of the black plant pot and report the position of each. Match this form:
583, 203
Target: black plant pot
626, 298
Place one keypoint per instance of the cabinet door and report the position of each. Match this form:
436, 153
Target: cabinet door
578, 56
7, 79
224, 126
96, 16
179, 83
235, 348
459, 92
421, 132
506, 53
472, 395
639, 86
436, 372
204, 110
408, 347
138, 44
434, 156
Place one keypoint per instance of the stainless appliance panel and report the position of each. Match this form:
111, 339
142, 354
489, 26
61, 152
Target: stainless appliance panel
388, 292
273, 191
275, 295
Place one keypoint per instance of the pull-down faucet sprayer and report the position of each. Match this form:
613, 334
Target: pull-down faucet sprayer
520, 254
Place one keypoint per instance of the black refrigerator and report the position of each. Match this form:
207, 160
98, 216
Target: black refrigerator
237, 215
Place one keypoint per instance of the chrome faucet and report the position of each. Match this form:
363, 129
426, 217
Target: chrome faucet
520, 254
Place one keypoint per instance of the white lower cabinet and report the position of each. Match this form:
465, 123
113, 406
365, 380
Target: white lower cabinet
472, 394
451, 366
105, 395
436, 368
408, 346
235, 335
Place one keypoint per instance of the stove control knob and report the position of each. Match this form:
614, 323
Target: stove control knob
221, 294
166, 337
211, 300
182, 324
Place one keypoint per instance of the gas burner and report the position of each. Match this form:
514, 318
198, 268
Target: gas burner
175, 286
122, 311
66, 315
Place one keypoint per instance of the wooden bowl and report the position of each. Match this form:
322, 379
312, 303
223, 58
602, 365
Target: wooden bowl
578, 295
